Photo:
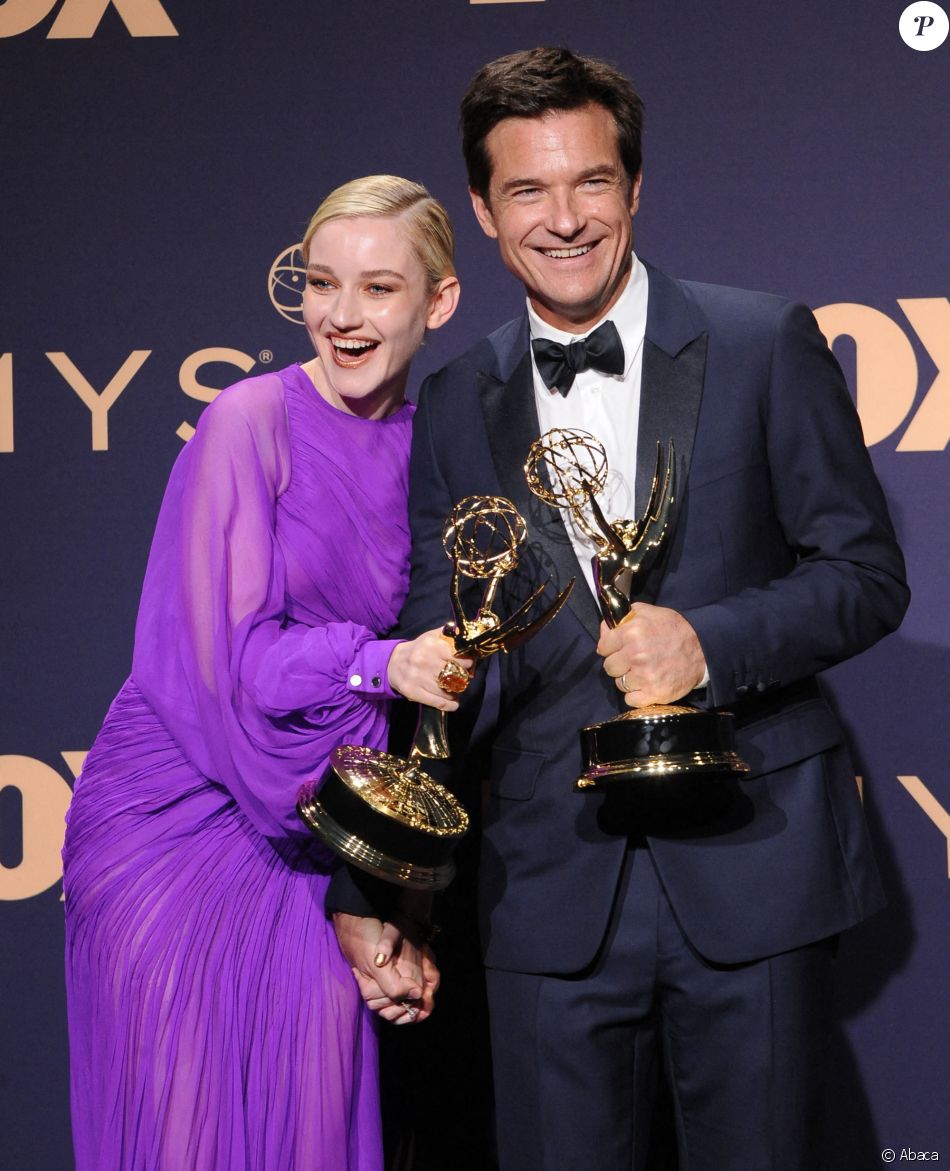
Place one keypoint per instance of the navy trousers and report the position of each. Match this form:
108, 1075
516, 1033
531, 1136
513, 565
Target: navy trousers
577, 1058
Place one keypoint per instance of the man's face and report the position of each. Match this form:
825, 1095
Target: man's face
559, 205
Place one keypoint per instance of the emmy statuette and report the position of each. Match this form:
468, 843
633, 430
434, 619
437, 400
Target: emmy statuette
568, 469
382, 813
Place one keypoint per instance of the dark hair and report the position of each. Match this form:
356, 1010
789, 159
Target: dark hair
534, 82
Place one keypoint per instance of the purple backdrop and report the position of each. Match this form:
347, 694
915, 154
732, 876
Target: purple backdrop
151, 183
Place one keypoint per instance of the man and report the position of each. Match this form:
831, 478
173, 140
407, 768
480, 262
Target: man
618, 927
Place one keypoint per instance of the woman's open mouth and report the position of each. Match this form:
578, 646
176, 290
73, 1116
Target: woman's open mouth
351, 351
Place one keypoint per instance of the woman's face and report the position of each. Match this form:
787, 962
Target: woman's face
366, 307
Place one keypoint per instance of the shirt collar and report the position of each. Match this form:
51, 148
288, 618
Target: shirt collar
629, 314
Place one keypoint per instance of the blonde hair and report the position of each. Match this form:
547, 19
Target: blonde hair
427, 222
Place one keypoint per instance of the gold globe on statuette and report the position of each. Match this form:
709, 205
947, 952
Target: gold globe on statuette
382, 813
568, 469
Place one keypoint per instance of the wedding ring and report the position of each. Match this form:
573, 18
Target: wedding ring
412, 1010
623, 683
453, 679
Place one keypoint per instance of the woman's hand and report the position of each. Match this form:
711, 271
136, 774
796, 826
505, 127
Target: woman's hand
396, 972
414, 668
406, 1010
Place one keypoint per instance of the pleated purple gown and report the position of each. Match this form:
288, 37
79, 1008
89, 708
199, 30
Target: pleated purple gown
213, 1023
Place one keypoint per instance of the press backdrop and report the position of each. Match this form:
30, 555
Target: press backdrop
159, 160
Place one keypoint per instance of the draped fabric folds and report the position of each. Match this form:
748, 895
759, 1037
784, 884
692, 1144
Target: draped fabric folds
213, 1021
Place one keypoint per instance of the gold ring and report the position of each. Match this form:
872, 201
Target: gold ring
623, 683
453, 678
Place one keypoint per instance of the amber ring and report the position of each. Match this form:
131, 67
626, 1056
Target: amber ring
453, 679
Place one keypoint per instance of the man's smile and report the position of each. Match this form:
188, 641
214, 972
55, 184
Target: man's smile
567, 253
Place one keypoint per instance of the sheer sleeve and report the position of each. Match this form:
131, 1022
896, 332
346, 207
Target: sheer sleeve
255, 700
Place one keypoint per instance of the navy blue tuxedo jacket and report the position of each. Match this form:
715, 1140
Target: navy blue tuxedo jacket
783, 559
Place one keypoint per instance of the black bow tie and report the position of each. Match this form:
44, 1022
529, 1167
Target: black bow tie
558, 364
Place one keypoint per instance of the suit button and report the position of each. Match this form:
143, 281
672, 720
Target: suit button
742, 689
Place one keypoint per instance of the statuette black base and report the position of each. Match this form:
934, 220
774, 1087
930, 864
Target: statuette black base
657, 742
385, 816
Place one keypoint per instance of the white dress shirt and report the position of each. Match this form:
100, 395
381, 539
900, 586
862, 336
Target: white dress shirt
606, 405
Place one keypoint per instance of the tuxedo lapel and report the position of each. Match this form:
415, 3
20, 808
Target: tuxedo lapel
511, 420
669, 407
674, 365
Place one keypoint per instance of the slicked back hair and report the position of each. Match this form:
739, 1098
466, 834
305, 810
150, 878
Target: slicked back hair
390, 196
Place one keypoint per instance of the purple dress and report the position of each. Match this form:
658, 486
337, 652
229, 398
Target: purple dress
213, 1022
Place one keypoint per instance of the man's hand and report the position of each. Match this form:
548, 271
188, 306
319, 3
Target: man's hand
654, 655
406, 1010
397, 976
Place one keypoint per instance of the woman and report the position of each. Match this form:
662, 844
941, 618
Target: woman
213, 1021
